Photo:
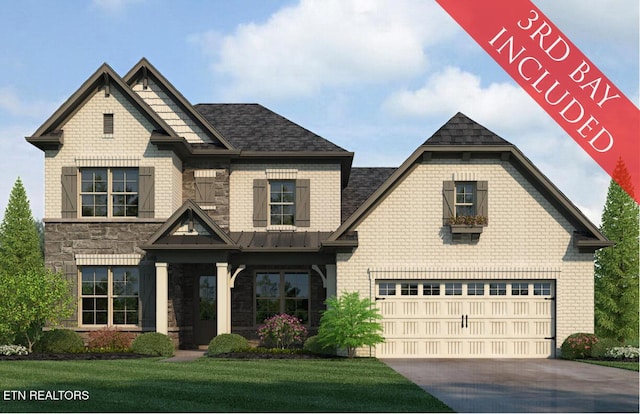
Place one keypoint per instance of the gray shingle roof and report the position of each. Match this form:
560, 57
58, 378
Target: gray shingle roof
252, 127
362, 183
462, 130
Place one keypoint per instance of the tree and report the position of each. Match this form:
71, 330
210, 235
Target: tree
616, 267
30, 300
350, 322
40, 231
19, 241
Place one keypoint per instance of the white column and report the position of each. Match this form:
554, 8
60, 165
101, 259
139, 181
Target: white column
332, 287
223, 295
162, 298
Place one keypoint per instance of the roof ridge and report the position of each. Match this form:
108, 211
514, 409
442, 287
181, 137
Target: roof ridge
462, 130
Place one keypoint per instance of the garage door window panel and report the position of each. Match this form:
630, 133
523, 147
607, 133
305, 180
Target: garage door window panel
542, 289
497, 289
453, 289
519, 289
431, 289
387, 289
475, 289
409, 289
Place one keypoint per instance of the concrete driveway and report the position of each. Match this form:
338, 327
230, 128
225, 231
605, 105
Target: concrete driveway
523, 385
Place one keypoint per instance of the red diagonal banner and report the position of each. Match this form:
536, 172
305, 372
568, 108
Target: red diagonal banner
560, 78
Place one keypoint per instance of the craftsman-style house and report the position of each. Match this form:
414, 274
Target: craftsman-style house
196, 220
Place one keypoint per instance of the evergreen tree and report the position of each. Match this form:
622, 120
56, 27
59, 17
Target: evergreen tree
616, 272
19, 242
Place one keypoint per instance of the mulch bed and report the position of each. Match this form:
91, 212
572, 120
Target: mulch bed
87, 356
271, 355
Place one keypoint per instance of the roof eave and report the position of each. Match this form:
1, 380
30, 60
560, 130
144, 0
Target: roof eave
51, 141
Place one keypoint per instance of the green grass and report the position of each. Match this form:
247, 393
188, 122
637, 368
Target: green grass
631, 366
210, 384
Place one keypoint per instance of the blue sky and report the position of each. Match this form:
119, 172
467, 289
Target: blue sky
376, 77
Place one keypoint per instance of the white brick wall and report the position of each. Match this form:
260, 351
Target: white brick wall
324, 189
85, 144
525, 232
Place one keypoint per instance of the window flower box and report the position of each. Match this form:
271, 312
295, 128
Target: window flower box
467, 224
465, 228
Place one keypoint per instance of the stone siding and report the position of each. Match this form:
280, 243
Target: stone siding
220, 214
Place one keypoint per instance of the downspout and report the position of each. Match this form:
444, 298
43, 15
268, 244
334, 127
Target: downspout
370, 304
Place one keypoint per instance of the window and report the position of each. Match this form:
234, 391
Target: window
110, 295
465, 199
431, 289
519, 289
282, 292
497, 289
282, 206
109, 192
107, 124
542, 289
453, 289
387, 289
409, 289
475, 289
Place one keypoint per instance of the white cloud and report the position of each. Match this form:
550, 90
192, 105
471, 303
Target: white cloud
503, 106
316, 44
14, 105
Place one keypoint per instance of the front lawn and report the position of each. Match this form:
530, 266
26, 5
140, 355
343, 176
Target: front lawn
631, 366
212, 385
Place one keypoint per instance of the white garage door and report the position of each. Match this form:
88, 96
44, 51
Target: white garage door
466, 319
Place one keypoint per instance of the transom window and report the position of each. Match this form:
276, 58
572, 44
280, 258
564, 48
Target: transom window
497, 289
387, 289
409, 289
431, 289
542, 289
109, 295
465, 199
109, 192
282, 206
282, 292
475, 289
453, 289
519, 289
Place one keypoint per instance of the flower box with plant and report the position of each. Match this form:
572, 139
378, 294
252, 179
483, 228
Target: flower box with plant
467, 224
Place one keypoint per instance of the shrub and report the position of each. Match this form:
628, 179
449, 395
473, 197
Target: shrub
350, 322
313, 345
110, 340
153, 343
60, 341
282, 331
224, 343
578, 346
13, 350
623, 352
602, 346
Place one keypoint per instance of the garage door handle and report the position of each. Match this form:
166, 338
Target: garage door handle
466, 321
462, 322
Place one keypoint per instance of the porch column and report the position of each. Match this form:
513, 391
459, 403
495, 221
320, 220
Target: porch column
162, 298
332, 287
223, 295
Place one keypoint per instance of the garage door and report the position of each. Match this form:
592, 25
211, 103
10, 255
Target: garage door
466, 319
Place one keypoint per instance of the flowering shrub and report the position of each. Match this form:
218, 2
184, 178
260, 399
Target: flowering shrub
110, 340
626, 352
578, 346
282, 331
13, 350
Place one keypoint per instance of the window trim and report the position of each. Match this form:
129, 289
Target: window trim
110, 296
108, 124
474, 198
282, 204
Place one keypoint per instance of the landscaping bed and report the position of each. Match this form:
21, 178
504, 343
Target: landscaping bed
81, 356
272, 355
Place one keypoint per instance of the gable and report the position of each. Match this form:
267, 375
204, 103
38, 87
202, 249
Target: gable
190, 228
104, 81
485, 147
145, 80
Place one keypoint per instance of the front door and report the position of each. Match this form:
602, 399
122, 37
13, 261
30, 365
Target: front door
204, 324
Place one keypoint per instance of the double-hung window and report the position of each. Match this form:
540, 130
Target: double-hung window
282, 204
109, 295
465, 199
109, 192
